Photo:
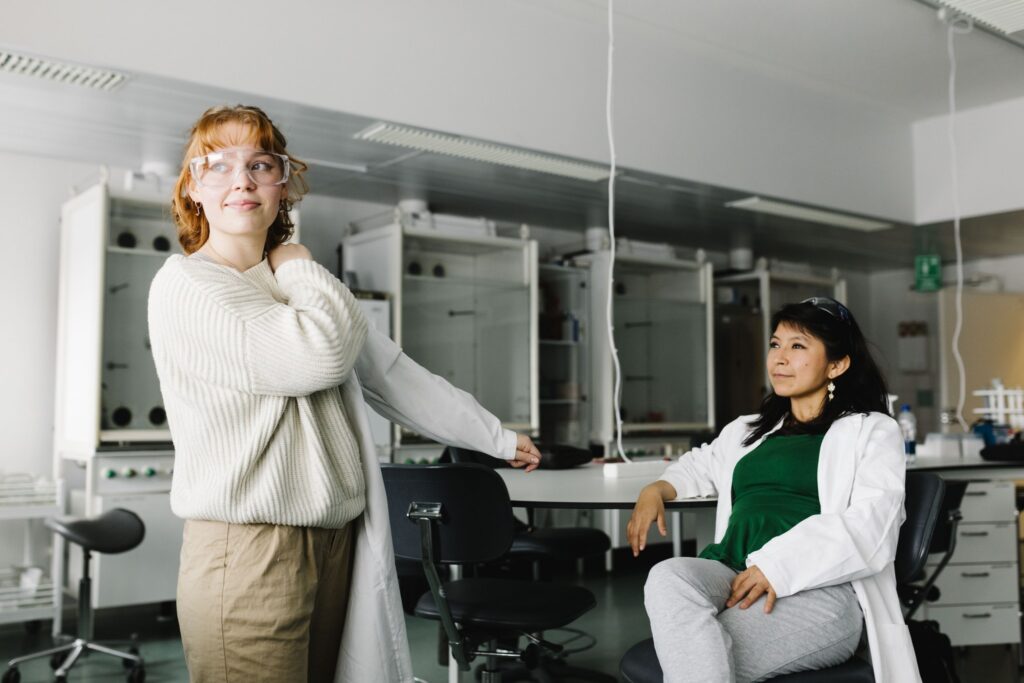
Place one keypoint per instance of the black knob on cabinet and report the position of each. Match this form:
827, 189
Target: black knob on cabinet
126, 240
121, 417
157, 416
161, 243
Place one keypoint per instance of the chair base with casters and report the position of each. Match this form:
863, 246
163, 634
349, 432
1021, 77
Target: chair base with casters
925, 493
116, 531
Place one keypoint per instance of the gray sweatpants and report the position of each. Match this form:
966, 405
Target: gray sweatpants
698, 640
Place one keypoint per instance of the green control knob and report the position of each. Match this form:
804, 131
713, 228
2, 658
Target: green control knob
149, 472
109, 473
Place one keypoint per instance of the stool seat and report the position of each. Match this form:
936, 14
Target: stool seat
640, 665
116, 531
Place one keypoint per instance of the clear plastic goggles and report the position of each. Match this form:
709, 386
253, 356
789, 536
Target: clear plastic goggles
219, 169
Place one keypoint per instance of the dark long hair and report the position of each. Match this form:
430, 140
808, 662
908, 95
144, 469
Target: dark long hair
861, 389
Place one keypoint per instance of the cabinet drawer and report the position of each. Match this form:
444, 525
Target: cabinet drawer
989, 501
985, 543
973, 583
978, 624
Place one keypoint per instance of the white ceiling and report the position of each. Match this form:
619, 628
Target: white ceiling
884, 55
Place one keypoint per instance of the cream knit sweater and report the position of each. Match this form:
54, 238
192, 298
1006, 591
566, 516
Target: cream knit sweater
250, 368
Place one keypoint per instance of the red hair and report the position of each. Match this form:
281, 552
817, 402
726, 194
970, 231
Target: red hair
209, 134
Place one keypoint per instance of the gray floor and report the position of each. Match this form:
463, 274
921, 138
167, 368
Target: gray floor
617, 622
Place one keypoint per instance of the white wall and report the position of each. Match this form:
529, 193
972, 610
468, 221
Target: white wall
990, 146
525, 73
31, 192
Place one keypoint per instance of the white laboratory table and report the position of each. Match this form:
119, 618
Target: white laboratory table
590, 487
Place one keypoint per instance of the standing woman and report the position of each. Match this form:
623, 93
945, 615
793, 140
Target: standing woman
264, 357
810, 503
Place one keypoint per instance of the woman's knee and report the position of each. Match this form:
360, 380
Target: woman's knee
675, 578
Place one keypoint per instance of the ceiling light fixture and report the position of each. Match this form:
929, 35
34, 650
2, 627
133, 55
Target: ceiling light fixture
61, 72
477, 150
805, 213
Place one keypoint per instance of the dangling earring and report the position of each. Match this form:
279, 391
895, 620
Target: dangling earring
831, 390
199, 208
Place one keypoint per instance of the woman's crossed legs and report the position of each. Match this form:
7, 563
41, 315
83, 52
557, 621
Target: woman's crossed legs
698, 640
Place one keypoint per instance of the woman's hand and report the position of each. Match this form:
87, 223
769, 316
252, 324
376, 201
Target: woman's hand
750, 585
649, 508
287, 252
527, 454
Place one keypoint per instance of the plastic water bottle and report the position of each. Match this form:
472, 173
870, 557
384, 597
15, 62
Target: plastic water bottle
908, 425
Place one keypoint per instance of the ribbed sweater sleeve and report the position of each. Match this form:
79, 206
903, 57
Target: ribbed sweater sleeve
254, 343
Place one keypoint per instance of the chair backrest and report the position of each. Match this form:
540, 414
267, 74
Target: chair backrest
476, 522
951, 501
923, 504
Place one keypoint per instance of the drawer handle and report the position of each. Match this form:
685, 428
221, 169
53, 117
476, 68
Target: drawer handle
986, 615
974, 533
976, 493
974, 575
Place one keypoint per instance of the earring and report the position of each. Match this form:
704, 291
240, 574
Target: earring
199, 208
831, 390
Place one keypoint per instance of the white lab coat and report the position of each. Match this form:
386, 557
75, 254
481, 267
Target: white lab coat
374, 645
861, 483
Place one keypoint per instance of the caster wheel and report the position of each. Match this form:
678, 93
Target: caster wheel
12, 675
137, 675
60, 679
127, 663
57, 659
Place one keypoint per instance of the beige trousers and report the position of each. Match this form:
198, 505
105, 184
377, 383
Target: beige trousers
261, 602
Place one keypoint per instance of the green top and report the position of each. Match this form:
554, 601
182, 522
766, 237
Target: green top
774, 488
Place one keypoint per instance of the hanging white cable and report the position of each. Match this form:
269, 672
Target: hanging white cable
616, 368
955, 25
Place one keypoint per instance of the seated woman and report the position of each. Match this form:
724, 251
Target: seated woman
810, 503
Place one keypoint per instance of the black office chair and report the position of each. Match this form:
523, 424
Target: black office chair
923, 505
538, 544
923, 588
116, 531
460, 514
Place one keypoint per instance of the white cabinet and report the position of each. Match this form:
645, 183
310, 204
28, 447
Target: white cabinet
661, 316
464, 306
111, 435
979, 588
565, 336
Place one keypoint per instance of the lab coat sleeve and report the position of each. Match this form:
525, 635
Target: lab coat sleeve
218, 327
831, 549
693, 475
407, 393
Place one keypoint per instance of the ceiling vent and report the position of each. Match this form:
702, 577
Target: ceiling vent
487, 152
60, 72
805, 213
1005, 16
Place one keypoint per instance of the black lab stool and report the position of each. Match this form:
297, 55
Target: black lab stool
116, 531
